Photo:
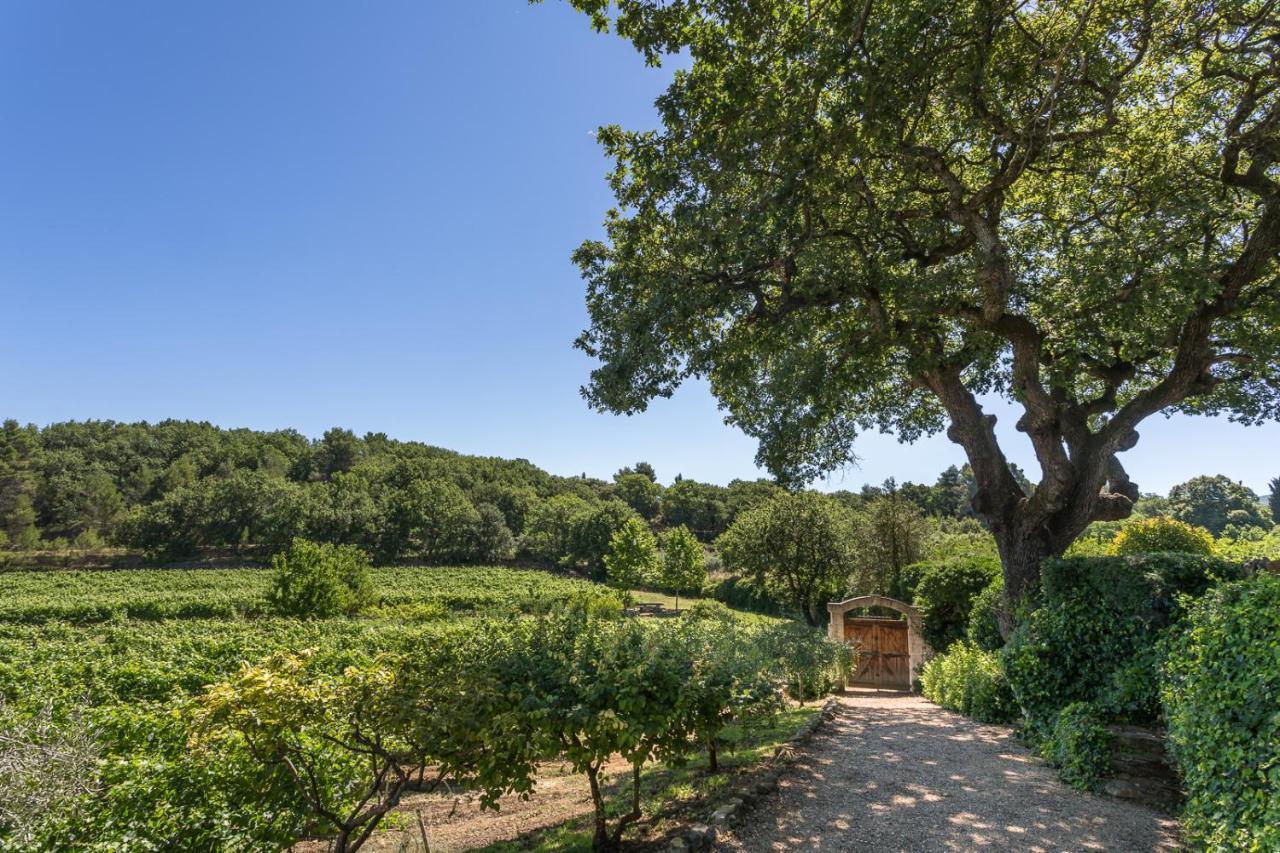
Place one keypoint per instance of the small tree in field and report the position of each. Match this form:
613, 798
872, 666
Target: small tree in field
798, 546
633, 554
318, 579
684, 567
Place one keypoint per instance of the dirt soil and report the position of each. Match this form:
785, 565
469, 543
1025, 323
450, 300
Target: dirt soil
893, 771
455, 822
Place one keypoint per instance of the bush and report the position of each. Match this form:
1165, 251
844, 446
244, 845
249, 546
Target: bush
316, 580
945, 597
1095, 635
809, 664
984, 627
969, 680
1151, 535
1221, 698
1079, 745
743, 593
491, 538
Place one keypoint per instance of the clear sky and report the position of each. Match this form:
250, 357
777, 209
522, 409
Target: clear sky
300, 214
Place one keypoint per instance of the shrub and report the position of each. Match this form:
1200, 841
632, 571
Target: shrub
315, 579
969, 680
1079, 745
808, 663
983, 629
945, 596
1095, 635
743, 593
1151, 535
1221, 697
491, 538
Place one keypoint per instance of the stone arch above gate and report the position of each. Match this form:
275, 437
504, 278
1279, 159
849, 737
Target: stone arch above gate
918, 650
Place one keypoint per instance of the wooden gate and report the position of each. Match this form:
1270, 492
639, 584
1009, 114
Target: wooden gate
883, 659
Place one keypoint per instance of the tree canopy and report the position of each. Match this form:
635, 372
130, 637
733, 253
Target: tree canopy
868, 216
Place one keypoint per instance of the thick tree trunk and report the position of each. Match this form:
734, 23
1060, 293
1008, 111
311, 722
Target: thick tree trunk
1020, 556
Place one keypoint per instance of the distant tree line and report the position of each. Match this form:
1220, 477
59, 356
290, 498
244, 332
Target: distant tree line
175, 488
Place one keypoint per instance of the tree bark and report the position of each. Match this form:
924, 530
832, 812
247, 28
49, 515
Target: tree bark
600, 836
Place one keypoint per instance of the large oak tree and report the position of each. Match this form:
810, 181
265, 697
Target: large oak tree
863, 214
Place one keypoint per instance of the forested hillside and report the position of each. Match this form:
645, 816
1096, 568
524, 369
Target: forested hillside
176, 489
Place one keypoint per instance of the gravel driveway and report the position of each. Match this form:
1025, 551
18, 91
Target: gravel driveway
893, 771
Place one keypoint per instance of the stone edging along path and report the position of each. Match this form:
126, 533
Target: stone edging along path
758, 783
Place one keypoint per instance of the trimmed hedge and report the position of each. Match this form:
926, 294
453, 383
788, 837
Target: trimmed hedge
970, 681
1079, 745
945, 596
984, 627
743, 593
1221, 697
1095, 635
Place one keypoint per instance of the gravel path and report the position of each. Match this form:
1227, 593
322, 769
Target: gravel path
893, 771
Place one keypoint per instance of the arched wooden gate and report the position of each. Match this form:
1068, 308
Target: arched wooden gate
890, 651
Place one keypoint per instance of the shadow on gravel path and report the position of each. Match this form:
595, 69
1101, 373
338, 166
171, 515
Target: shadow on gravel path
893, 771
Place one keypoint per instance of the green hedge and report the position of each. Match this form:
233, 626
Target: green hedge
743, 593
1221, 697
1079, 745
970, 681
945, 596
1094, 636
984, 627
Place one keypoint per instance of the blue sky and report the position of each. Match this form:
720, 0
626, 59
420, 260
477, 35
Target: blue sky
295, 214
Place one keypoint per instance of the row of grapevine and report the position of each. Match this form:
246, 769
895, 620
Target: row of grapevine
190, 748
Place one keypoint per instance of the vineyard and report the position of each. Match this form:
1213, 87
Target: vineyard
172, 709
79, 597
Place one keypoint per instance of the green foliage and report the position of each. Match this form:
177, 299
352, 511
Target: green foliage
983, 629
1096, 633
697, 506
945, 596
633, 555
684, 566
1220, 698
889, 534
1273, 499
970, 681
168, 594
1249, 544
1156, 534
639, 492
590, 532
797, 546
1215, 502
807, 661
547, 527
743, 593
430, 519
317, 580
492, 540
1079, 745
